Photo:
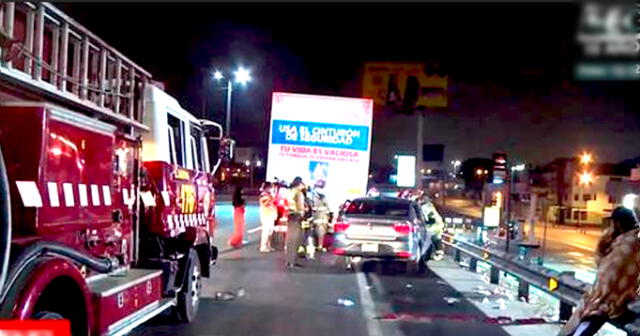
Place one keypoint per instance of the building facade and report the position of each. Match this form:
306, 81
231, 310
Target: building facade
577, 202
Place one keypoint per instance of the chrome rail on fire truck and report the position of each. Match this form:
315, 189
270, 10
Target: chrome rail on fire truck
45, 51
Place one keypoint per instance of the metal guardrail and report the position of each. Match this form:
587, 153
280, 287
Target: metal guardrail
565, 287
562, 286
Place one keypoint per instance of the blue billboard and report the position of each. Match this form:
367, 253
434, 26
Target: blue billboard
305, 133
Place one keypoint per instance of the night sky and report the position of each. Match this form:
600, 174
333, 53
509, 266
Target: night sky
510, 67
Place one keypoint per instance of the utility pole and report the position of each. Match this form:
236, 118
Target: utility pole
508, 206
228, 119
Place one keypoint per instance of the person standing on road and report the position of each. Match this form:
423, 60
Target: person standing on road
268, 215
294, 222
435, 225
238, 218
618, 260
321, 214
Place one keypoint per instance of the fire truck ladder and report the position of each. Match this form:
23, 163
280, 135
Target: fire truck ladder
47, 53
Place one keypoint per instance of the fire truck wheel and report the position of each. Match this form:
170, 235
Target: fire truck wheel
189, 297
47, 315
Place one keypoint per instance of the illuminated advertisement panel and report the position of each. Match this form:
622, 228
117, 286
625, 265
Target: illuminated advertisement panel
323, 139
406, 171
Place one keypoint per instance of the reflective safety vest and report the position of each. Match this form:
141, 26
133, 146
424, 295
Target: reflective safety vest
295, 200
429, 211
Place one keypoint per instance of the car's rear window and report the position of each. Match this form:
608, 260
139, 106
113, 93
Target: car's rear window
378, 208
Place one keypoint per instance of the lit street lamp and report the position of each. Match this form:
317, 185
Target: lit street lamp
242, 76
586, 158
586, 178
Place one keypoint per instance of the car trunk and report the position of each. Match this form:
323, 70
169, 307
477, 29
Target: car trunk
374, 228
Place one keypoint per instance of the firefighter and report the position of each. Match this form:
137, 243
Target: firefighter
308, 248
436, 225
296, 204
320, 214
436, 228
268, 215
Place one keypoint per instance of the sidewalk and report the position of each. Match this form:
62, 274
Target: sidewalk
497, 302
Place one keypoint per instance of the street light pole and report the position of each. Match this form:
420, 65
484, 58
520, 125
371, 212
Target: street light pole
242, 76
228, 120
251, 176
508, 216
419, 142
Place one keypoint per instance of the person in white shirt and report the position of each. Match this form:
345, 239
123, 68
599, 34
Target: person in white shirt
268, 215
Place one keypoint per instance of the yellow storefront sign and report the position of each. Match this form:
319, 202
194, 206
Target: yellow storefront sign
392, 83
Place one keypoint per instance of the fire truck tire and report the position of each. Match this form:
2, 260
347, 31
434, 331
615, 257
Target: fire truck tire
47, 315
189, 297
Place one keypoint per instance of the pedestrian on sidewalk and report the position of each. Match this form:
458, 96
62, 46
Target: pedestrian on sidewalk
618, 260
294, 223
238, 218
268, 215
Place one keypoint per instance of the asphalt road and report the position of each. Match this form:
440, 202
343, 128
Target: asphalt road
565, 248
267, 299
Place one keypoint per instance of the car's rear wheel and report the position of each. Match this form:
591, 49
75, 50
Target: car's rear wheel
413, 266
419, 265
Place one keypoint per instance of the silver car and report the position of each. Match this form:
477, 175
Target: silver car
383, 228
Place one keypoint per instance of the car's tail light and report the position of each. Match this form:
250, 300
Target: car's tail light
338, 251
403, 254
402, 228
341, 226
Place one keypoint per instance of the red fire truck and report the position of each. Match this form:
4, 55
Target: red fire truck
106, 183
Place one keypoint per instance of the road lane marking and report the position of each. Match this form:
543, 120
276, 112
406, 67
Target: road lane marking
254, 230
374, 328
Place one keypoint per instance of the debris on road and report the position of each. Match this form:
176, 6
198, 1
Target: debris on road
502, 304
225, 296
346, 302
230, 295
451, 300
409, 286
